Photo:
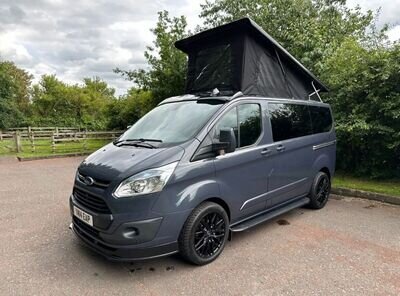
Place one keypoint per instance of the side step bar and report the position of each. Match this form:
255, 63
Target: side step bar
269, 215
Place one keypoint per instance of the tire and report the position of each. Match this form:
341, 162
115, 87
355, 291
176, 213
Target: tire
320, 191
204, 234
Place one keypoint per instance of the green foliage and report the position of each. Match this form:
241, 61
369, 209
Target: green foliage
14, 94
365, 97
167, 65
57, 103
129, 108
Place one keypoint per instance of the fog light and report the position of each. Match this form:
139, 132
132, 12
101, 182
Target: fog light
131, 232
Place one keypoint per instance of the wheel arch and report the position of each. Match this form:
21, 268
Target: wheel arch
326, 171
323, 164
220, 202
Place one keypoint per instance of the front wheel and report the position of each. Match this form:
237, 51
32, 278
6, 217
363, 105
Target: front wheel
204, 234
320, 191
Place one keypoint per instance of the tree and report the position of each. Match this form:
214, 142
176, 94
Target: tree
365, 97
57, 103
167, 65
14, 94
129, 108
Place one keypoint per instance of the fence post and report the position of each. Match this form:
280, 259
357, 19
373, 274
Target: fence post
84, 141
17, 138
32, 142
53, 143
29, 132
57, 131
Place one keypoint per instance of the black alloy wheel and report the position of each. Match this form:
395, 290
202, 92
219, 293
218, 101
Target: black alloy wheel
320, 191
209, 235
204, 234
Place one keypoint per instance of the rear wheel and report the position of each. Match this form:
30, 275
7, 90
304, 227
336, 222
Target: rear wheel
204, 234
320, 191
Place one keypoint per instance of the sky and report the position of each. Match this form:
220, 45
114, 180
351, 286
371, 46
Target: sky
77, 39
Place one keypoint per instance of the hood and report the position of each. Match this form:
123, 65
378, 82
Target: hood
111, 161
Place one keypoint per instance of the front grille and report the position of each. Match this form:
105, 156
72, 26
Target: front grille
96, 182
90, 234
87, 228
91, 202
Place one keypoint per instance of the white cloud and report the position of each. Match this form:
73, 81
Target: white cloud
389, 9
90, 38
394, 33
13, 50
82, 39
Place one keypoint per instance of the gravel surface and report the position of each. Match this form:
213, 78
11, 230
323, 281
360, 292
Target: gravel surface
351, 247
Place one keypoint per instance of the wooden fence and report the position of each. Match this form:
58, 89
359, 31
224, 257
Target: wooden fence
55, 139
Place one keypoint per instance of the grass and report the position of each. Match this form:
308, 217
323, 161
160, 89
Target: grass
389, 187
43, 147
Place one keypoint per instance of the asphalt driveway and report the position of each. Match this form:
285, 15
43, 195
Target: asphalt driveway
351, 247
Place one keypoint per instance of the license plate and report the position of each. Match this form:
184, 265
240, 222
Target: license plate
81, 215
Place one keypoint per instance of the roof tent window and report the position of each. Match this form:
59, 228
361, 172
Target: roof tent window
213, 68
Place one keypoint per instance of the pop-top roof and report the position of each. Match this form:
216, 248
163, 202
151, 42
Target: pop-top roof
241, 56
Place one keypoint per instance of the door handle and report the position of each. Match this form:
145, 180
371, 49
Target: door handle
265, 151
280, 148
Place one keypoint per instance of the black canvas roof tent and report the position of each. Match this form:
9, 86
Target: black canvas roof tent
241, 56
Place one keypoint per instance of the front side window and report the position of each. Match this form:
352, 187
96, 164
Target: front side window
289, 121
249, 123
246, 122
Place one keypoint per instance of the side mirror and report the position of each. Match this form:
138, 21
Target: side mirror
227, 141
129, 126
209, 149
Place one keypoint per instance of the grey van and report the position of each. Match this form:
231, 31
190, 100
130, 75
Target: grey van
194, 170
247, 143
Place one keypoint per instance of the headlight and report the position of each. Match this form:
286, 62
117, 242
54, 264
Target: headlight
149, 181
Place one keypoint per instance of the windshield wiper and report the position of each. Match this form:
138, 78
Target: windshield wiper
145, 140
141, 140
137, 142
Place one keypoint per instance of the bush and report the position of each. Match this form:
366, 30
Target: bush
365, 97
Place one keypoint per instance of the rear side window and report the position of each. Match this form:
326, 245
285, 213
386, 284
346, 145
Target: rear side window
245, 121
289, 121
321, 119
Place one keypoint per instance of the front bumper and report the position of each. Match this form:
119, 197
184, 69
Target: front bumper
123, 253
126, 242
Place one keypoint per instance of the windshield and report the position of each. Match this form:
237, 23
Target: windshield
173, 122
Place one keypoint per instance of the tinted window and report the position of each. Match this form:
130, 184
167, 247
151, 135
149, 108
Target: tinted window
248, 118
250, 124
321, 119
289, 121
